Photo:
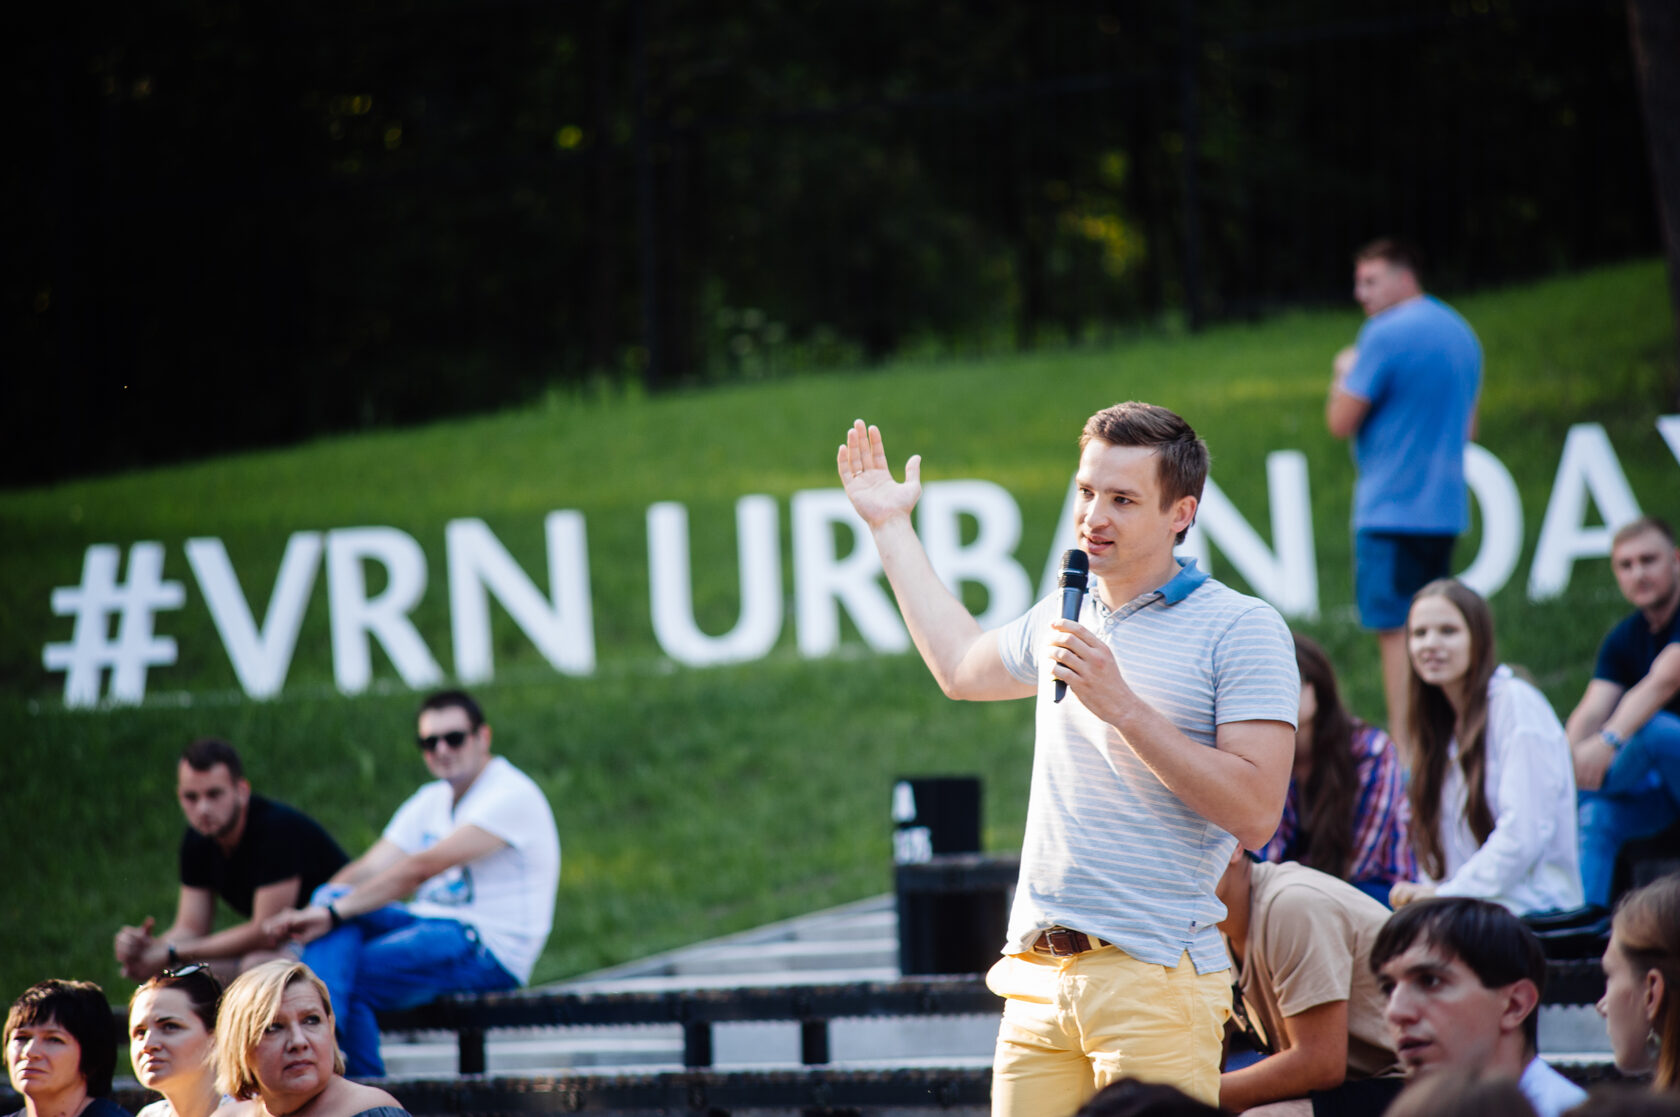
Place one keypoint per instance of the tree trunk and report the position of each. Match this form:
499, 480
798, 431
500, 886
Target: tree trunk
1654, 27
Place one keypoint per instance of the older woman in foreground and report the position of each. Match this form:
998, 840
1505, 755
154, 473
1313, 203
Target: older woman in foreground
275, 1049
61, 1050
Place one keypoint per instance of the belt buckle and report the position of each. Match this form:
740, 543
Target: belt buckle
1064, 942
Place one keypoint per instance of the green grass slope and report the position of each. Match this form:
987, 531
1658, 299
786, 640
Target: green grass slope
692, 802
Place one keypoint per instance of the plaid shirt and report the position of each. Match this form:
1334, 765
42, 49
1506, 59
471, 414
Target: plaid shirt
1382, 847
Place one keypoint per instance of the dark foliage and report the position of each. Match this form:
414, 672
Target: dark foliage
242, 224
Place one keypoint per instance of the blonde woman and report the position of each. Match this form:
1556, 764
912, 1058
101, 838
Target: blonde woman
171, 1034
275, 1049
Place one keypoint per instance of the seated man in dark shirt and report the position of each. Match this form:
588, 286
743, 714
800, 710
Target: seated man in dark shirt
1625, 731
262, 857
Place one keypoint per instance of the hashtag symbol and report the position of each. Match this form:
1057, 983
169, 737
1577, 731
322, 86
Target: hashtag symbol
92, 649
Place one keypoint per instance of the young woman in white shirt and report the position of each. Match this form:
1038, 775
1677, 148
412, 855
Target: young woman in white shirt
1493, 787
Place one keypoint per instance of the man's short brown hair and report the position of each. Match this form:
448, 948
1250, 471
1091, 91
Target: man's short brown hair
1183, 457
1639, 527
1394, 251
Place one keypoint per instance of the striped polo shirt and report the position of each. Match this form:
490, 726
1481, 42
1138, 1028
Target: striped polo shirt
1108, 850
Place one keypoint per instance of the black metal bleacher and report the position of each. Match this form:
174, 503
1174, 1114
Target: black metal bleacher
697, 1010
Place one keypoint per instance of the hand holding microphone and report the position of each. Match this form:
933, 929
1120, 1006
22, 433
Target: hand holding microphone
1075, 576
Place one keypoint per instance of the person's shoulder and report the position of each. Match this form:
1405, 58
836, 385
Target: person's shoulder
1629, 629
1506, 687
276, 811
1300, 895
354, 1099
502, 770
1240, 610
1370, 742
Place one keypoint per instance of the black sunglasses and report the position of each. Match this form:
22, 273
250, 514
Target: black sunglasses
185, 971
455, 738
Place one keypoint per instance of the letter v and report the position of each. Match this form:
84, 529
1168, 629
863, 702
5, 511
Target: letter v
260, 658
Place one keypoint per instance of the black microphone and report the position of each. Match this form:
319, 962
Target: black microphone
1076, 568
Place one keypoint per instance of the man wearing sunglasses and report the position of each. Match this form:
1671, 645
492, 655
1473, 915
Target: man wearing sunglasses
477, 850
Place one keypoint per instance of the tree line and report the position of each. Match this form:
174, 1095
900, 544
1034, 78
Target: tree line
244, 225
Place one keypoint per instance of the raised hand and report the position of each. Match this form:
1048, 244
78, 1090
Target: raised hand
869, 484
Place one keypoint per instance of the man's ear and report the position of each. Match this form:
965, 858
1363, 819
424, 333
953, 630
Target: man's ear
1184, 513
1522, 997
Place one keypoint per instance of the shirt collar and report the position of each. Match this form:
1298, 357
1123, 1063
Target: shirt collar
1184, 583
1176, 589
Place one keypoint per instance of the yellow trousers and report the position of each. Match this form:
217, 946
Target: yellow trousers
1072, 1025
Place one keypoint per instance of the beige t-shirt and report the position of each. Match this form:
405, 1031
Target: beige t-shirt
1309, 943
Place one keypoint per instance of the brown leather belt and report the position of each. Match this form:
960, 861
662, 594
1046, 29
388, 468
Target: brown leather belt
1061, 942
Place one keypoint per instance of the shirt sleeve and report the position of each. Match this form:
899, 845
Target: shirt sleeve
1368, 379
407, 828
501, 812
1310, 965
1020, 640
1254, 668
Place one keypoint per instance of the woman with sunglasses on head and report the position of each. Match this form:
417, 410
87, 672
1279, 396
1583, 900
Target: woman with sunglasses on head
61, 1051
277, 1054
171, 1040
1493, 785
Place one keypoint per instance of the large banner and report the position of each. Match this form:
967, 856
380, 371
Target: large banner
119, 612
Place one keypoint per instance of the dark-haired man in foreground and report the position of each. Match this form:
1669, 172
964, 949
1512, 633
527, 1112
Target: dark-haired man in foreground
1173, 743
260, 856
1463, 979
476, 848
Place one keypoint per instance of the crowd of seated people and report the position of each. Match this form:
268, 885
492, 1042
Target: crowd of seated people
1489, 824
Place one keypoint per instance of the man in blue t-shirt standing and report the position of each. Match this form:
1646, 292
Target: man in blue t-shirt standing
1625, 731
1405, 392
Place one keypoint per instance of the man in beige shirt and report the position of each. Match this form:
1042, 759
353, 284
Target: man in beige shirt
1300, 943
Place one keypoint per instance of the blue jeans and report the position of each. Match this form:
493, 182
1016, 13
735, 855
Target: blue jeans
1640, 796
391, 958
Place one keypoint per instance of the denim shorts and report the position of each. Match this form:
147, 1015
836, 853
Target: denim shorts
1389, 567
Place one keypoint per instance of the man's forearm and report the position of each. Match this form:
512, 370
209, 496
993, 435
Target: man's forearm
1289, 1074
1241, 792
391, 884
230, 942
1638, 706
940, 625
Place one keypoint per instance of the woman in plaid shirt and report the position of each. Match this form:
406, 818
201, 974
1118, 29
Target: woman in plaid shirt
1346, 813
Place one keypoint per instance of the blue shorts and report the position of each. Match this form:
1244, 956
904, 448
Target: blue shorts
1389, 567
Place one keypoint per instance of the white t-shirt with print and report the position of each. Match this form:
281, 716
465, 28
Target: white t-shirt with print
506, 897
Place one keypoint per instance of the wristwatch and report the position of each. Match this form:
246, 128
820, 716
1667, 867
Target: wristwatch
1612, 738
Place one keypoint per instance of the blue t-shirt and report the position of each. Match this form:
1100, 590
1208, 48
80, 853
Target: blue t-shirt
1420, 369
1627, 653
